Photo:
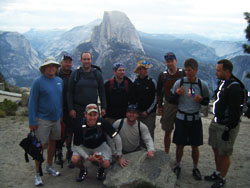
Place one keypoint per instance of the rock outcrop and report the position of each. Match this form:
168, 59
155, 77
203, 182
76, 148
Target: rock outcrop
156, 171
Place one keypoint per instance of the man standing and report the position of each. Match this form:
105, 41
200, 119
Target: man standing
64, 73
45, 110
189, 93
90, 142
166, 81
118, 93
131, 132
85, 84
145, 95
225, 126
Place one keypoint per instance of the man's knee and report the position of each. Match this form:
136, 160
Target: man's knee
76, 159
105, 163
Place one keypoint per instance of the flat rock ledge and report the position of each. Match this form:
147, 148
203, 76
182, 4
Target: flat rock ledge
156, 171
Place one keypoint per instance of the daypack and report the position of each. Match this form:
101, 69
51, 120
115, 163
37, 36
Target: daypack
112, 84
187, 82
244, 95
77, 75
97, 127
121, 124
165, 75
33, 147
165, 78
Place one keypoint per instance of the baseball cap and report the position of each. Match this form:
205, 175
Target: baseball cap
91, 108
169, 55
132, 107
117, 66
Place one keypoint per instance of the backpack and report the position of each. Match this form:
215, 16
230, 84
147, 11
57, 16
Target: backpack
95, 68
244, 94
165, 78
112, 84
121, 124
165, 75
98, 128
33, 147
187, 82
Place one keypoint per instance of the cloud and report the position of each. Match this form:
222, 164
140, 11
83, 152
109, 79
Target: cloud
157, 16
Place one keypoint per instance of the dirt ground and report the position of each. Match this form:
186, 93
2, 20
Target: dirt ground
15, 172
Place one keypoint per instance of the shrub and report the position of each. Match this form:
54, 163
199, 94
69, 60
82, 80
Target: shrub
8, 107
2, 113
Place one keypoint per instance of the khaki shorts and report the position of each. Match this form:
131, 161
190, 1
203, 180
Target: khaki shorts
48, 129
168, 117
149, 121
215, 133
104, 149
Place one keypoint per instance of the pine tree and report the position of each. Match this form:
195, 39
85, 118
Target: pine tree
246, 46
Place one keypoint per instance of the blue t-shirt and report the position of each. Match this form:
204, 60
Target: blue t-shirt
45, 101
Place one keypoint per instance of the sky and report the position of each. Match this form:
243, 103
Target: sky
219, 19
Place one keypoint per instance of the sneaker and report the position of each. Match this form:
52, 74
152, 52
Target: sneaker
51, 171
219, 183
101, 174
82, 175
38, 180
177, 171
197, 174
212, 177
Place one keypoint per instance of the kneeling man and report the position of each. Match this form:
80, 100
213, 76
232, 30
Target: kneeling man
131, 131
90, 142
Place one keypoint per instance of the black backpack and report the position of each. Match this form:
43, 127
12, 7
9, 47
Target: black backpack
244, 95
33, 147
95, 68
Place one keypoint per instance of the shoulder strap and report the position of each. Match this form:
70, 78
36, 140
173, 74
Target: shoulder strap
139, 128
199, 84
126, 85
111, 84
77, 75
95, 74
120, 125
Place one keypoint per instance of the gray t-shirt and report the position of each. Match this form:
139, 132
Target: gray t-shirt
186, 102
130, 136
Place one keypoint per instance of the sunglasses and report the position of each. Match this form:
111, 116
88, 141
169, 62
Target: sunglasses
145, 63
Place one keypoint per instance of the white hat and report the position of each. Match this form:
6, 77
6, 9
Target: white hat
48, 61
91, 108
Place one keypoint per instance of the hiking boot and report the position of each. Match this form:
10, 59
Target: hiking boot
212, 177
71, 165
219, 183
82, 175
177, 171
101, 174
197, 174
51, 171
59, 157
38, 180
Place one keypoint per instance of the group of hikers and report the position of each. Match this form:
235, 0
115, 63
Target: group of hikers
127, 114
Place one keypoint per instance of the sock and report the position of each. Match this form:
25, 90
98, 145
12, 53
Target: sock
217, 172
195, 166
177, 164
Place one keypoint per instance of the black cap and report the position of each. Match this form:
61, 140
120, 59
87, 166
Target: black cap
169, 55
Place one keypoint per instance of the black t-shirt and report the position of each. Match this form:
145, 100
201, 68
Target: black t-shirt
92, 137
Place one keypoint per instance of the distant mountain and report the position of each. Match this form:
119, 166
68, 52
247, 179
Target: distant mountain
156, 47
19, 62
116, 40
242, 68
227, 49
59, 41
